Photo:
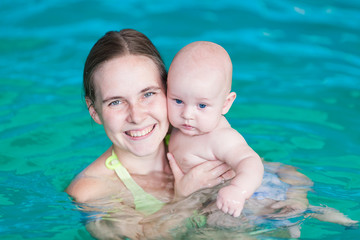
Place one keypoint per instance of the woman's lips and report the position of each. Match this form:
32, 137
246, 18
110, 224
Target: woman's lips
140, 133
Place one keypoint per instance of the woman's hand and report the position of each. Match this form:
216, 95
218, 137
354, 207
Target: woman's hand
205, 175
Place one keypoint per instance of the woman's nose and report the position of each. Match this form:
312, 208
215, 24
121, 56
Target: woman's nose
136, 113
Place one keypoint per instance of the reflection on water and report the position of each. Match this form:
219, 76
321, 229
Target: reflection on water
277, 209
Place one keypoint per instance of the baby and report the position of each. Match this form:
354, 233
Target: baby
198, 95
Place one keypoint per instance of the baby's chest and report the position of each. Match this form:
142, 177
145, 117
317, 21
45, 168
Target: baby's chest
191, 153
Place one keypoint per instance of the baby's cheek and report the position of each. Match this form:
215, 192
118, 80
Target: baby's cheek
172, 115
207, 124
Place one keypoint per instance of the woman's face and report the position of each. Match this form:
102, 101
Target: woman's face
131, 104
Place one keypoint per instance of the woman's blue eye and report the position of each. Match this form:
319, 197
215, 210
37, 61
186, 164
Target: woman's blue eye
114, 103
148, 94
202, 105
178, 101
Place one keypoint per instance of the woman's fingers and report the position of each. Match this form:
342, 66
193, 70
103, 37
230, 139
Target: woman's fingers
214, 168
222, 170
178, 174
229, 174
211, 165
184, 183
205, 175
210, 173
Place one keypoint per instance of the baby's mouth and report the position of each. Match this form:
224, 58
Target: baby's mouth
188, 127
140, 133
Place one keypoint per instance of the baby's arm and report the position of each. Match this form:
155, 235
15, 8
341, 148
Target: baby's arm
248, 168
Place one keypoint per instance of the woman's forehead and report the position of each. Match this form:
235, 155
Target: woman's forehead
127, 74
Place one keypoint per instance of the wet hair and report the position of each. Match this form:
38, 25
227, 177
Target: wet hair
115, 44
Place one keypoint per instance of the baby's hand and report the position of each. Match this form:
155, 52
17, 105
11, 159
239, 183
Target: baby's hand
231, 200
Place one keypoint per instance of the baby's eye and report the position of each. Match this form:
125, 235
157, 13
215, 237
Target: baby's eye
178, 101
148, 94
201, 105
115, 103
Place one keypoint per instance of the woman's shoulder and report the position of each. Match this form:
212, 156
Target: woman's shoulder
85, 188
90, 183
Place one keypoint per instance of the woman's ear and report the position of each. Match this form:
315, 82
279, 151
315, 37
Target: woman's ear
228, 102
92, 111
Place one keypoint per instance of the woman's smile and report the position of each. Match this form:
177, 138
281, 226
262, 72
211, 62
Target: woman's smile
140, 134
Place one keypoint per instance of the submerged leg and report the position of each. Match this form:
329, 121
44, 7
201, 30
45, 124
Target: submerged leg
328, 214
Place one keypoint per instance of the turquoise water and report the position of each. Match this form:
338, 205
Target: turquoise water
296, 74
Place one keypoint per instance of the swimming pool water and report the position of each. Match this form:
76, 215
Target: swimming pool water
296, 74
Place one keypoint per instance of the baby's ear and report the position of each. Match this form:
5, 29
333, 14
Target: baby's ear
92, 111
228, 102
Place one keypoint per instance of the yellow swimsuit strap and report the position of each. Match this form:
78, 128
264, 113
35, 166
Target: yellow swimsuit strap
144, 202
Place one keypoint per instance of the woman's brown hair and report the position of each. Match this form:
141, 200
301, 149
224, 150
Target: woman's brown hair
119, 43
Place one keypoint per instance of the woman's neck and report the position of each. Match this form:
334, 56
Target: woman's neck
143, 165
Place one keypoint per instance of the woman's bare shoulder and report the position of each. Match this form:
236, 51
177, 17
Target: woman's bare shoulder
84, 188
90, 183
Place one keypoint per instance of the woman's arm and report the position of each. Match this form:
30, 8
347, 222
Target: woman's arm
124, 223
106, 214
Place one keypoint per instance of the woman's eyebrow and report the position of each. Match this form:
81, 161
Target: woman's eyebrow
151, 88
111, 98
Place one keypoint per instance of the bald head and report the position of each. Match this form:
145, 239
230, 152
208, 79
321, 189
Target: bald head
199, 87
202, 55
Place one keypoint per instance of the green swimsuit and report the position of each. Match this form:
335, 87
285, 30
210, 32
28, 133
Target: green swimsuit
144, 202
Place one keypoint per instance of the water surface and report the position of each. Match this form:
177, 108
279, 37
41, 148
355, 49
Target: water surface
296, 74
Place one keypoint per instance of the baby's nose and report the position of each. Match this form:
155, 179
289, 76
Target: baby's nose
188, 112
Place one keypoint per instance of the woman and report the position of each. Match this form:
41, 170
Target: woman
124, 83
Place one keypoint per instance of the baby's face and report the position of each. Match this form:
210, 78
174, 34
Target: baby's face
195, 98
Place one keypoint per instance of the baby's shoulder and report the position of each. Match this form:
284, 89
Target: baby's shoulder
226, 138
225, 133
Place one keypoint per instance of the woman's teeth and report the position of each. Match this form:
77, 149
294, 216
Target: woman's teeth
141, 133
